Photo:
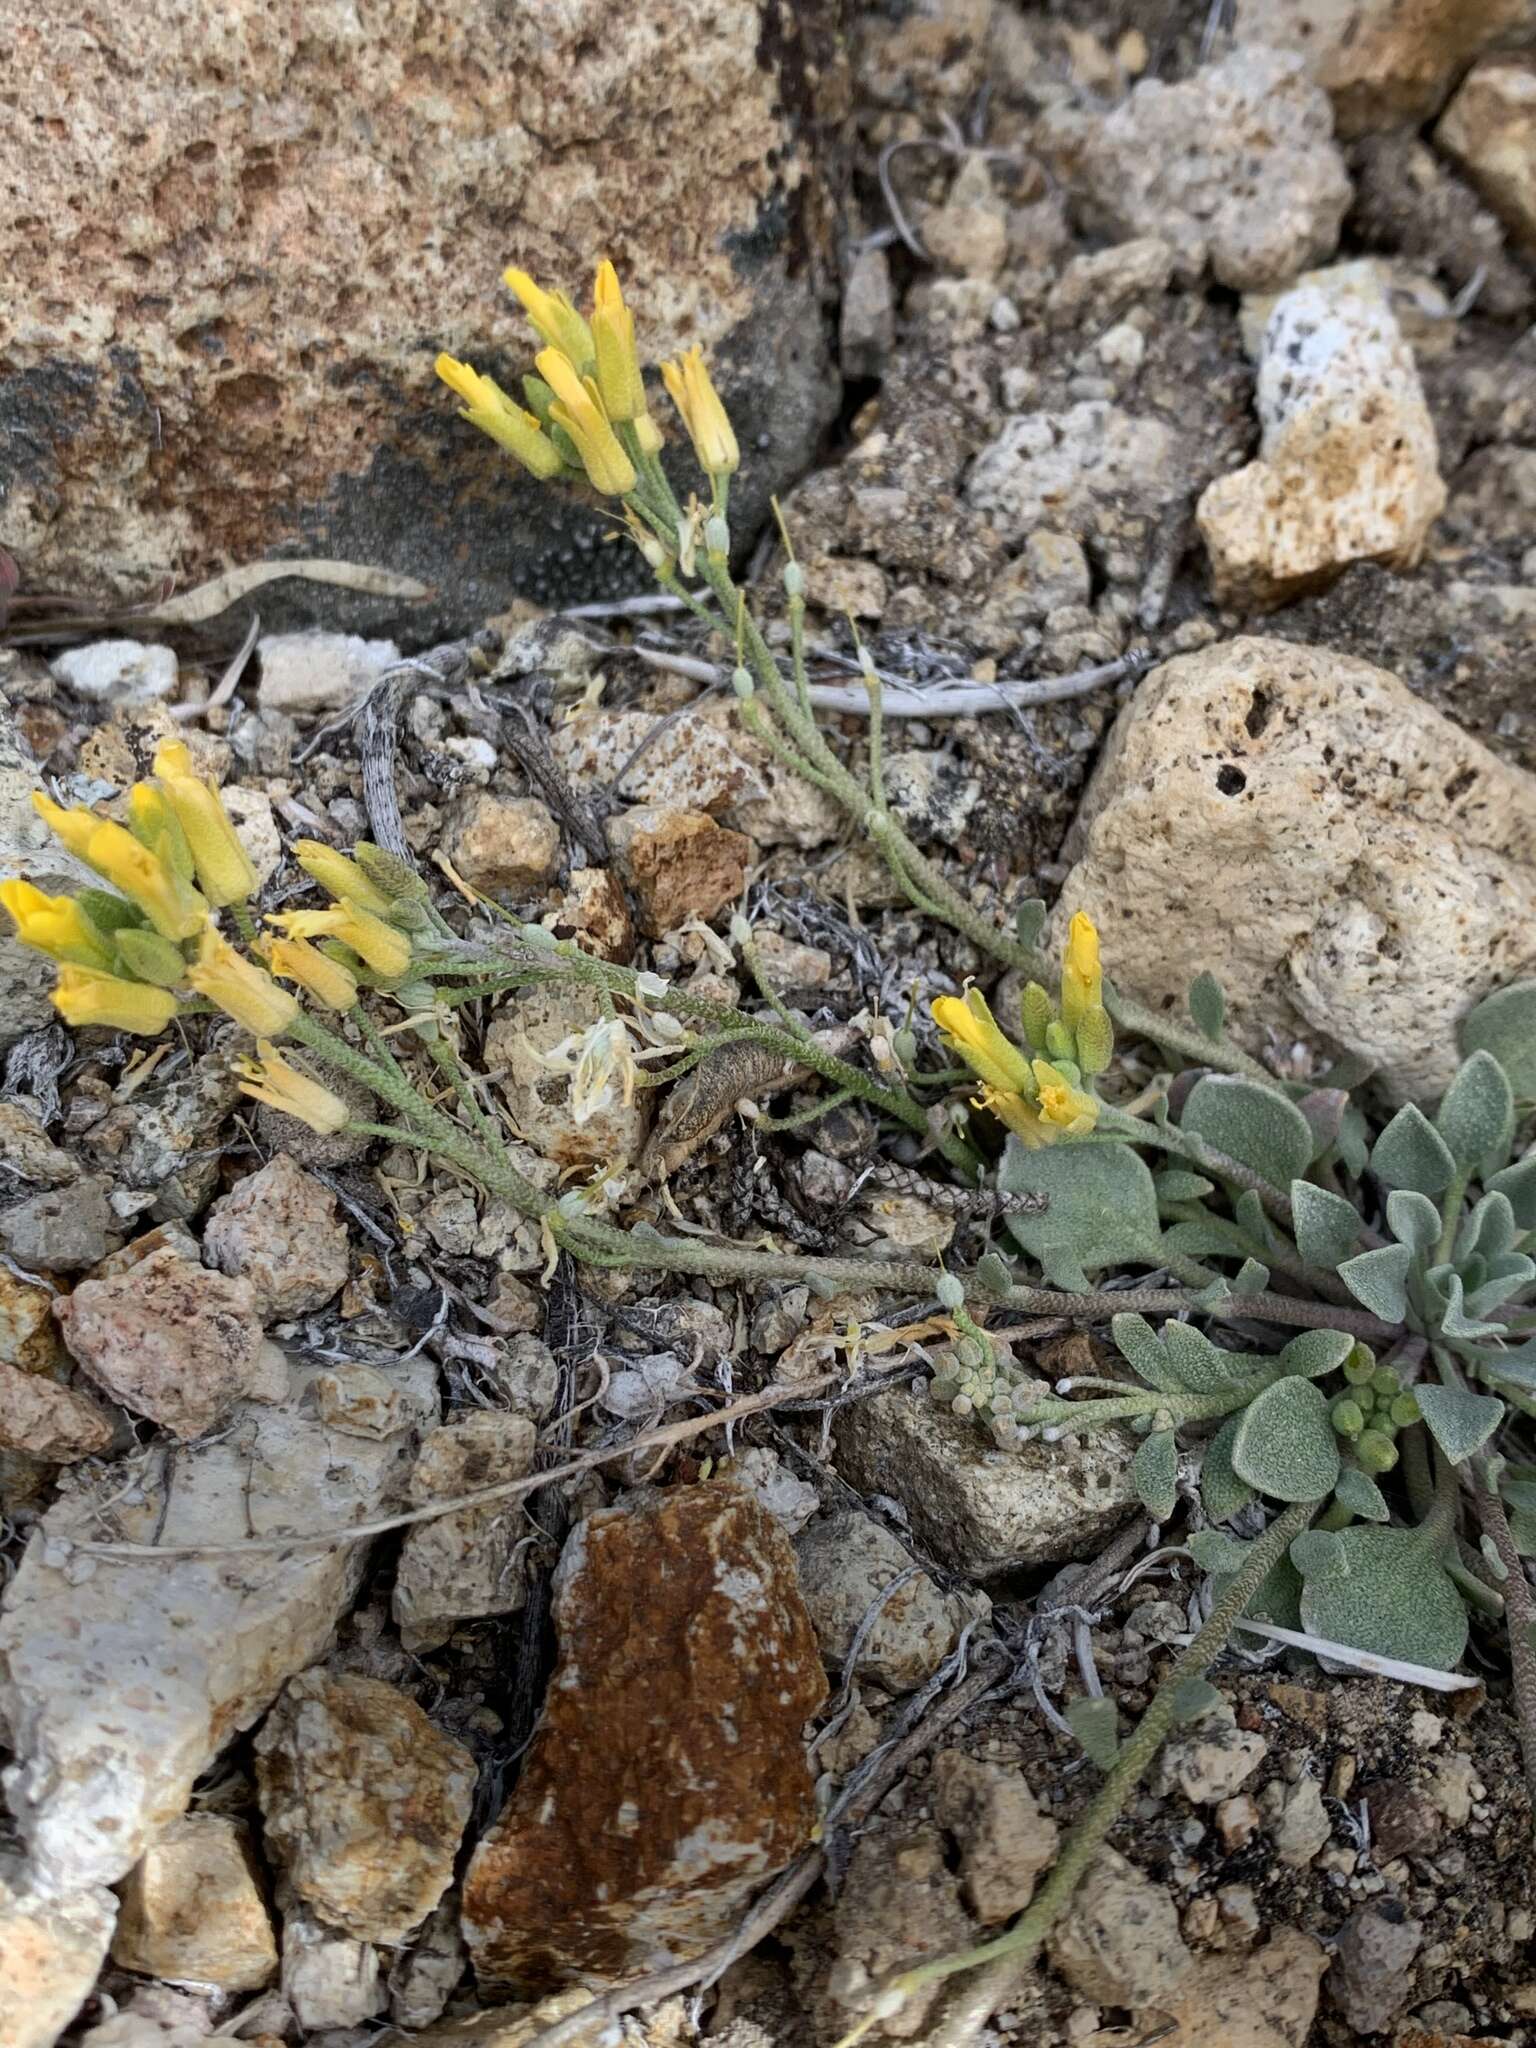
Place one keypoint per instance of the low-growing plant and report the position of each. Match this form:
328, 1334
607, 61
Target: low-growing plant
1367, 1270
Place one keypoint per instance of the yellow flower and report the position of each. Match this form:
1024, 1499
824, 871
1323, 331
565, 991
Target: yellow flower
971, 1030
1020, 1116
276, 1082
385, 950
1063, 1105
55, 925
239, 988
171, 904
488, 407
619, 381
85, 997
579, 410
556, 319
223, 866
155, 825
709, 427
338, 876
315, 972
1082, 984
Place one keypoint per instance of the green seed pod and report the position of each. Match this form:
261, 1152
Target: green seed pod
904, 1045
1095, 1040
1383, 1424
148, 957
1346, 1417
1058, 1041
1366, 1400
969, 1352
1385, 1383
949, 1291
1359, 1366
1404, 1411
392, 877
1377, 1453
1038, 1011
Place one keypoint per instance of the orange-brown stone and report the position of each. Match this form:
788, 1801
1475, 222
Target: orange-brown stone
668, 1777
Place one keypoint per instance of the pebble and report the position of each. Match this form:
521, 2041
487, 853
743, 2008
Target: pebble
1370, 1982
62, 1230
192, 1909
867, 329
1210, 1759
463, 1565
1005, 1840
53, 1949
127, 671
1489, 129
363, 1802
1120, 1944
278, 1230
47, 1420
1237, 1821
678, 864
504, 846
1304, 1827
303, 672
667, 1778
328, 1979
844, 1563
172, 1341
27, 1152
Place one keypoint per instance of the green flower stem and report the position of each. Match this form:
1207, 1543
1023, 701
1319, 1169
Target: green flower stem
1450, 1217
1024, 1939
751, 954
1520, 1614
451, 1067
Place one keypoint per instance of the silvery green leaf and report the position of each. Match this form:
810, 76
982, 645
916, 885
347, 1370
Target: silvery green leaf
1250, 1278
1378, 1280
1413, 1219
1326, 1225
1096, 1724
1489, 1229
1028, 921
1519, 1493
994, 1275
1476, 1116
1508, 1276
1359, 1492
1249, 1211
1193, 1699
1517, 1184
1504, 1024
1460, 1421
1318, 1554
1208, 1006
1522, 1527
1103, 1207
1203, 1367
1410, 1153
1250, 1123
1173, 1184
1154, 1473
1353, 1143
1315, 1352
1212, 1299
1137, 1343
1454, 1320
1214, 1551
1222, 1493
1386, 1593
1063, 1268
1199, 1237
1285, 1445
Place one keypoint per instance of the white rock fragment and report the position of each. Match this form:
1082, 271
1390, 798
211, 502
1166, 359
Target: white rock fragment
251, 814
121, 1679
192, 1909
846, 1564
51, 1951
278, 1229
1235, 167
462, 1565
1490, 130
1209, 1759
127, 671
1383, 864
329, 1979
1094, 471
1120, 1944
1304, 1827
318, 671
1348, 466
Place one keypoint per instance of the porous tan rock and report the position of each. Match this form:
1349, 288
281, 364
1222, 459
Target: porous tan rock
1005, 1840
1235, 167
1041, 1504
594, 913
278, 1230
363, 1802
1120, 1942
899, 1904
1382, 62
29, 1338
845, 1564
192, 1909
172, 1341
46, 1420
1348, 464
328, 1979
538, 1092
1349, 865
1490, 130
113, 1718
1253, 1998
465, 1564
261, 269
51, 1949
667, 1779
504, 845
689, 764
679, 864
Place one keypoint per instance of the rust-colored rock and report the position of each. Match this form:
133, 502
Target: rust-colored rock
233, 248
668, 1777
680, 864
46, 1420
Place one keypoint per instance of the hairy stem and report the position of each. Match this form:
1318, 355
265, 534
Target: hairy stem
1520, 1612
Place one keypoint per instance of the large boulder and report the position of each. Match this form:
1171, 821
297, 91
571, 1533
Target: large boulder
270, 223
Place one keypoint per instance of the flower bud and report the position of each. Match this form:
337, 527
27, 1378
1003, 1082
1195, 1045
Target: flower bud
1347, 1417
794, 582
949, 1291
1038, 1011
742, 683
1095, 1037
148, 957
1377, 1453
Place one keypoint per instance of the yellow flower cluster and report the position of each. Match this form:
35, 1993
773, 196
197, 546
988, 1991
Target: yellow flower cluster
121, 957
1039, 1093
587, 413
